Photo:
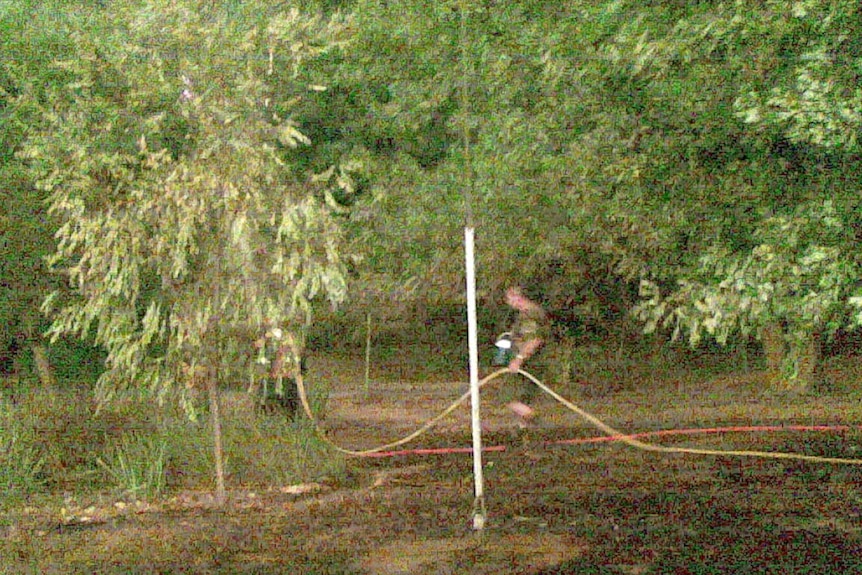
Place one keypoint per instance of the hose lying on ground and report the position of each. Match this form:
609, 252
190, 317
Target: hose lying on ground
613, 434
428, 424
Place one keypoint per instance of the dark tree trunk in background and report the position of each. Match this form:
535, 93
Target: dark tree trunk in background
774, 350
807, 360
43, 367
784, 356
218, 450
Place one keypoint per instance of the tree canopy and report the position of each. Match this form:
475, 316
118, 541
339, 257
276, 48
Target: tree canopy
706, 152
762, 213
183, 230
31, 34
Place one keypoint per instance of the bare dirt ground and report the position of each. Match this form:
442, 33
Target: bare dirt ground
551, 507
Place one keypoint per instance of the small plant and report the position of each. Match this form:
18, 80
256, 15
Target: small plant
21, 462
136, 464
309, 455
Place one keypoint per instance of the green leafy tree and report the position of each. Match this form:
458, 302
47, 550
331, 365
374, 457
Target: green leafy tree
184, 232
29, 35
789, 288
440, 100
657, 142
739, 210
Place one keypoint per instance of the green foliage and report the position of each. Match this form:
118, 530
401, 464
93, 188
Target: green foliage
678, 144
143, 450
801, 272
274, 451
412, 83
712, 181
136, 465
260, 449
183, 231
21, 460
29, 33
815, 97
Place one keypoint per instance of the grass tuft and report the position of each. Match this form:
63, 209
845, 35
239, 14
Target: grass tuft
136, 465
22, 461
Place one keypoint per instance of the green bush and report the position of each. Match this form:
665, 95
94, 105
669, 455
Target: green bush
288, 453
272, 450
21, 460
56, 440
136, 465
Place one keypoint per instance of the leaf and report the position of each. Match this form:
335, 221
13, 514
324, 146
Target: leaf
289, 135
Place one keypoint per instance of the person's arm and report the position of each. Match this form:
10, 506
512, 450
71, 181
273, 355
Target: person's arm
527, 349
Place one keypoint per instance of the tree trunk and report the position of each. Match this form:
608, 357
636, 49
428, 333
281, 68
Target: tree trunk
218, 451
790, 363
807, 357
368, 353
775, 352
43, 367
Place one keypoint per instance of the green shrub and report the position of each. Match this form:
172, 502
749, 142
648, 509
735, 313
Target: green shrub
293, 453
271, 449
136, 465
52, 440
21, 460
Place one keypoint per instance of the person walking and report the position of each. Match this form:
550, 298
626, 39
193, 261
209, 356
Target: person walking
530, 333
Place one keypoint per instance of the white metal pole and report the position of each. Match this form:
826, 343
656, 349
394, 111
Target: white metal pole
368, 353
479, 504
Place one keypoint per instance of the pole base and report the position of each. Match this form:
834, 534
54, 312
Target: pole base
479, 516
478, 522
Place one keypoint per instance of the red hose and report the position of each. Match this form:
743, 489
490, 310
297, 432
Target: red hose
610, 438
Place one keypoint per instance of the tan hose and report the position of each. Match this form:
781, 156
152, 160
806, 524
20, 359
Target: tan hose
595, 421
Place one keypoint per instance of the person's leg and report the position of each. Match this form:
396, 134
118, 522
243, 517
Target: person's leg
535, 366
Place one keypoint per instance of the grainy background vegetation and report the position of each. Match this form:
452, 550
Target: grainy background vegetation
190, 190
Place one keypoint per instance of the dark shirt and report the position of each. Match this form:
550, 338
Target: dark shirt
531, 324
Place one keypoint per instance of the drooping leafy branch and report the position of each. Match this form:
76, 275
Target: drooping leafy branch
739, 172
183, 229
